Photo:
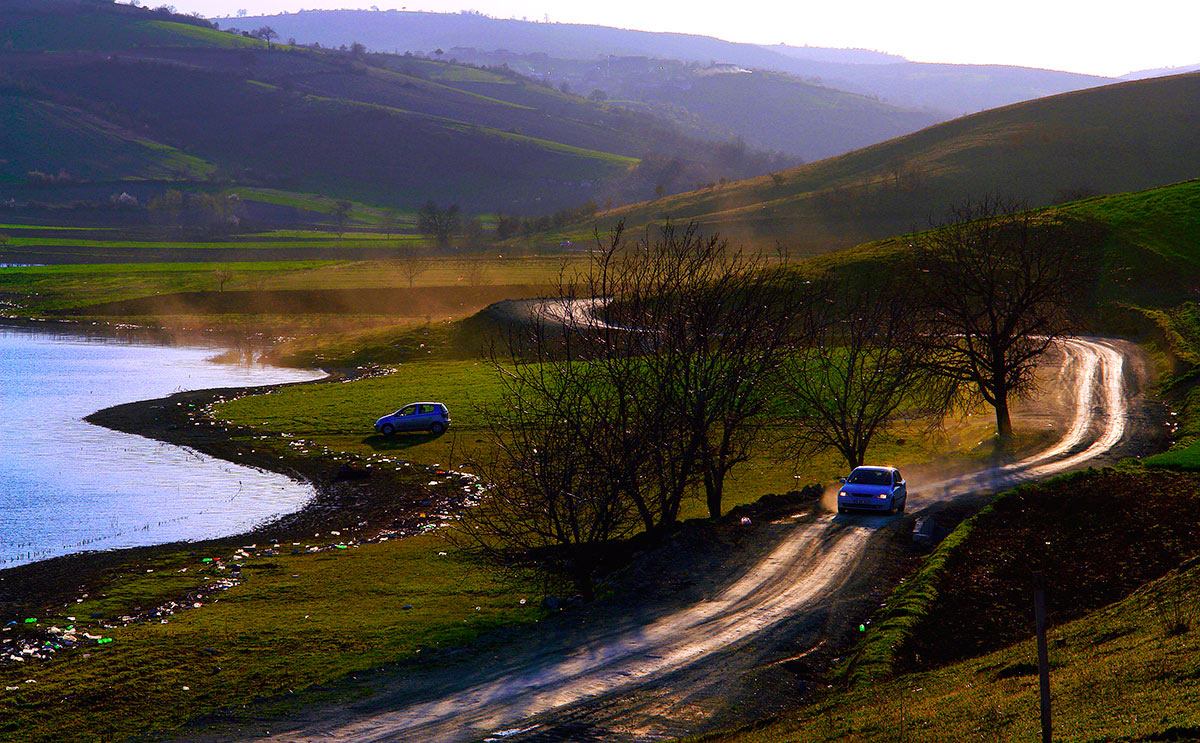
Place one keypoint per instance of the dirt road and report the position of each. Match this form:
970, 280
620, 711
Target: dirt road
800, 575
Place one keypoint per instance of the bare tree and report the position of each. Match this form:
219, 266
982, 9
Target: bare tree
998, 287
341, 216
473, 233
223, 277
860, 371
474, 272
413, 263
439, 224
267, 34
641, 383
551, 499
390, 223
691, 331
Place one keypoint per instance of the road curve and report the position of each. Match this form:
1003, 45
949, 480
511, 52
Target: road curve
814, 560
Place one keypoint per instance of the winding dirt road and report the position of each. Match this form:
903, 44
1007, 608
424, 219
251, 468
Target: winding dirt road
800, 574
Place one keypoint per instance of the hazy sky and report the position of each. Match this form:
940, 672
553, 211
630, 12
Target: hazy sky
1107, 37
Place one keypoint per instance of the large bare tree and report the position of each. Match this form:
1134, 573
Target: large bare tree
437, 223
551, 501
861, 371
999, 285
641, 383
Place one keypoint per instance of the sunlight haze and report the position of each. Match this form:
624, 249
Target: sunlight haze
1093, 37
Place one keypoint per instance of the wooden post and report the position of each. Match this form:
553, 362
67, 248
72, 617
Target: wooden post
1039, 615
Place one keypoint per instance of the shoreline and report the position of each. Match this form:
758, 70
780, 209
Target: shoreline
350, 495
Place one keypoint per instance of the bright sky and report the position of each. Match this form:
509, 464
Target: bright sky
1108, 37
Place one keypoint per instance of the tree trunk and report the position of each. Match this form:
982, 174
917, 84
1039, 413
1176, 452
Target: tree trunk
713, 491
583, 583
1004, 427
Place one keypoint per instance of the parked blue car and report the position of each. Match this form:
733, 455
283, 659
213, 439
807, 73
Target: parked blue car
433, 417
873, 489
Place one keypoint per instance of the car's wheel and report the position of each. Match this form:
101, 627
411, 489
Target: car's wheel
841, 509
437, 429
387, 429
903, 505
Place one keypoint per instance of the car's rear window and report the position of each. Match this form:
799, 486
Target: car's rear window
870, 477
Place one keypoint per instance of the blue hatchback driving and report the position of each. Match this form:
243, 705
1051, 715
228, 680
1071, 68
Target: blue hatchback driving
433, 417
873, 489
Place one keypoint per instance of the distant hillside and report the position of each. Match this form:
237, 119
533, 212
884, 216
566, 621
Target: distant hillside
1161, 72
130, 95
841, 56
789, 115
950, 89
1117, 138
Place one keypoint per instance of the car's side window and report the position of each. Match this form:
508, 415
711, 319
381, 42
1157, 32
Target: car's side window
426, 409
899, 477
409, 411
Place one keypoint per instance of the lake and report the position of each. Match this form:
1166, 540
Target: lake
68, 486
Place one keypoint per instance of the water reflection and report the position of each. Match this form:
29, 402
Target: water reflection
67, 486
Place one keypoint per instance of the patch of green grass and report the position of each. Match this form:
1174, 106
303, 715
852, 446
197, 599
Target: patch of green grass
297, 621
1179, 328
35, 290
101, 30
316, 240
359, 212
186, 34
41, 289
340, 416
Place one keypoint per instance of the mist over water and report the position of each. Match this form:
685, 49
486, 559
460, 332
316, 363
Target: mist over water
68, 486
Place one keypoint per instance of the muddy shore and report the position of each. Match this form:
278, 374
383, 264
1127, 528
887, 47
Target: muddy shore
351, 496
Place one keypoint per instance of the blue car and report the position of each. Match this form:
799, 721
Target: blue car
873, 489
433, 417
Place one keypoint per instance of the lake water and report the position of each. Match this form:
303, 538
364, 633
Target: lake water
68, 486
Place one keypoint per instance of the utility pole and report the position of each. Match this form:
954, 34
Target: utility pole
1039, 616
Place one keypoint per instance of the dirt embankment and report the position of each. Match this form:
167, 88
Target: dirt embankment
1090, 540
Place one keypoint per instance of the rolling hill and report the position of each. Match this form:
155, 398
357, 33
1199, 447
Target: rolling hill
1122, 137
102, 96
791, 115
949, 89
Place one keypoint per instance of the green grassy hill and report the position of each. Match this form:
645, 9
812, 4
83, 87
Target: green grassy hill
40, 136
1104, 140
55, 25
1150, 251
149, 87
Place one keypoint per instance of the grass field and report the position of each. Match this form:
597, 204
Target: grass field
41, 289
340, 416
296, 621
